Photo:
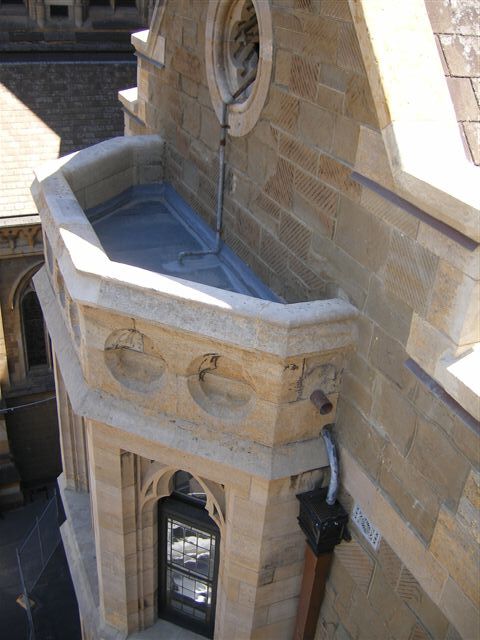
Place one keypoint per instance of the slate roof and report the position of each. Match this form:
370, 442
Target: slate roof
49, 109
456, 25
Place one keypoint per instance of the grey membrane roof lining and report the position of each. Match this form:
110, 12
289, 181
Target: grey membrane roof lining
147, 226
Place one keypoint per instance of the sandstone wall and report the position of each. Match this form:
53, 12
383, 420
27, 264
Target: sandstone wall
296, 216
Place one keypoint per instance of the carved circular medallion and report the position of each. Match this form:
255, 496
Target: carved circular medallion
132, 360
219, 386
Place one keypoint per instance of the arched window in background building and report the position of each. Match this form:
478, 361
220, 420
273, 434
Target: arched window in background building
34, 335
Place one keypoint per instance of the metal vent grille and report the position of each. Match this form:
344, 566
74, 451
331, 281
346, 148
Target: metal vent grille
365, 527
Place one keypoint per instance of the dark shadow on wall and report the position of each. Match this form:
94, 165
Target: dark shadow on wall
76, 100
34, 438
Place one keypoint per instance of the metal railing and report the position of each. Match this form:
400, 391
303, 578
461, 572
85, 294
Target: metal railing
34, 553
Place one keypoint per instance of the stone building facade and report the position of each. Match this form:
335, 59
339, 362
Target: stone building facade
351, 193
41, 118
70, 21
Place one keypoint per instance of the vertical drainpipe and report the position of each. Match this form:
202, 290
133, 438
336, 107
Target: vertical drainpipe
323, 520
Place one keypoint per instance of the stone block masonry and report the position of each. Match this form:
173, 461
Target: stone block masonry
48, 110
302, 223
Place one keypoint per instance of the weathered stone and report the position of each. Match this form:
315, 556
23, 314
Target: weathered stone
410, 271
459, 607
334, 77
315, 125
358, 101
336, 9
463, 98
311, 279
248, 229
389, 356
330, 99
280, 186
187, 64
388, 311
283, 64
389, 212
355, 433
451, 544
343, 270
467, 262
419, 633
398, 618
462, 53
361, 235
304, 77
273, 253
320, 195
343, 585
285, 217
298, 153
349, 55
389, 562
455, 305
437, 459
260, 160
290, 40
209, 133
472, 133
315, 217
267, 211
338, 175
283, 109
191, 117
362, 616
357, 563
345, 138
328, 618
321, 38
358, 394
394, 415
410, 492
295, 235
471, 491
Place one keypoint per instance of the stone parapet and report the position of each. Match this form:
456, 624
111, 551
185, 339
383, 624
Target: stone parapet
214, 365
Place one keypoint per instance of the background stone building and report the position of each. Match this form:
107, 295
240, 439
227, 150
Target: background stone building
352, 191
47, 109
70, 21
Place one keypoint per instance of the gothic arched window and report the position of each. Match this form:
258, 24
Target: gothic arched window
34, 334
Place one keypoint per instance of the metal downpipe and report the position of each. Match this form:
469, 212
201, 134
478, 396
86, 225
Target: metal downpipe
221, 174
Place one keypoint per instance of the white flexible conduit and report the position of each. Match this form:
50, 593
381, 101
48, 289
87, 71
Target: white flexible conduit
333, 461
324, 406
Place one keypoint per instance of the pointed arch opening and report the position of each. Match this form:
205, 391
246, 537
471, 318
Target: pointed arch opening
183, 515
189, 546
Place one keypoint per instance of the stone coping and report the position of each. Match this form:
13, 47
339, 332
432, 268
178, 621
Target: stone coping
104, 170
417, 119
19, 221
129, 100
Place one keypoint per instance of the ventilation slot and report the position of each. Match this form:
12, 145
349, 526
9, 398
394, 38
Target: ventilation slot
366, 528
